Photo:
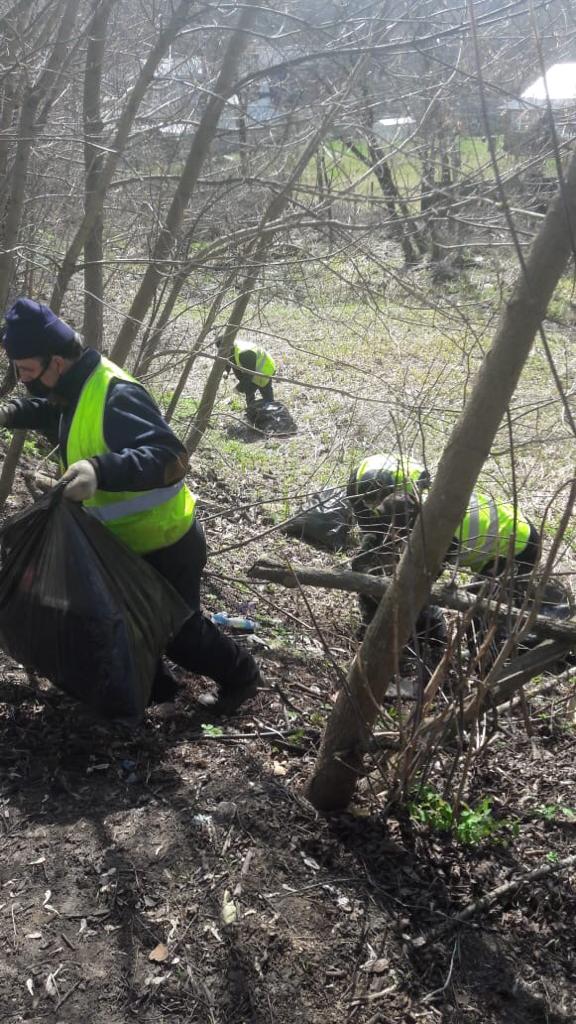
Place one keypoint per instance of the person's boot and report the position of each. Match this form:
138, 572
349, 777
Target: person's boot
165, 685
227, 700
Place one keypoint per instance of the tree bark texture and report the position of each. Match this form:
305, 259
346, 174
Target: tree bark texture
10, 465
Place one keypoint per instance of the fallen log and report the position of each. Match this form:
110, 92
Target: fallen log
446, 597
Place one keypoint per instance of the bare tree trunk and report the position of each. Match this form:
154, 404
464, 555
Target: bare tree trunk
348, 729
412, 246
324, 188
198, 152
116, 150
93, 327
243, 138
24, 145
10, 465
13, 12
153, 334
11, 89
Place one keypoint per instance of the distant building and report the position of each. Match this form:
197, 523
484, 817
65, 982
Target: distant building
552, 93
394, 129
177, 80
557, 86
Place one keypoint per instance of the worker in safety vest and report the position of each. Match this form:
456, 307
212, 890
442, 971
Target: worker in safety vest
371, 482
254, 368
375, 479
491, 535
121, 460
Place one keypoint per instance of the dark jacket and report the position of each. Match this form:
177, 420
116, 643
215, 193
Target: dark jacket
143, 451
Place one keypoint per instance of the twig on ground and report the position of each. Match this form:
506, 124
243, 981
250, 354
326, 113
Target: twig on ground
493, 897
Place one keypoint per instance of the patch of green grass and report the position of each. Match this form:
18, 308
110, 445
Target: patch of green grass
297, 736
560, 305
247, 457
186, 407
344, 168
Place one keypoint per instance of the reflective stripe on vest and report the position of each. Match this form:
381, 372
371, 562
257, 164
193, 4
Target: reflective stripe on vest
401, 473
265, 365
482, 541
486, 531
141, 503
144, 520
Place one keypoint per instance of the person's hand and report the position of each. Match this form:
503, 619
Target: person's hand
81, 481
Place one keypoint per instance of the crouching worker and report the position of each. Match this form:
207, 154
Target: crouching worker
123, 462
374, 480
493, 536
254, 369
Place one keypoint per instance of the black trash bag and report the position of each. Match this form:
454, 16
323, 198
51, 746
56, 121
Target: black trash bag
270, 417
80, 609
327, 520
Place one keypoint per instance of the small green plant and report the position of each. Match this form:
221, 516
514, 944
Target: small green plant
551, 811
552, 856
318, 718
429, 808
477, 824
473, 825
212, 730
297, 736
31, 447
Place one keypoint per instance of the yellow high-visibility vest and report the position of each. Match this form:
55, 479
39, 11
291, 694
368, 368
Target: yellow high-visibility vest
389, 473
143, 520
265, 365
488, 531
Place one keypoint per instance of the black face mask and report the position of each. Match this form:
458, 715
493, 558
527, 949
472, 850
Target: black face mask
37, 388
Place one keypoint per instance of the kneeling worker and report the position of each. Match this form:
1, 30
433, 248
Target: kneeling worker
254, 368
124, 463
375, 479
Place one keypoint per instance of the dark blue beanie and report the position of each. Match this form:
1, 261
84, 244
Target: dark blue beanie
33, 330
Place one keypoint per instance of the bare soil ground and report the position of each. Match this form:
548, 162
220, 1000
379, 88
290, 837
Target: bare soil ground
173, 875
177, 874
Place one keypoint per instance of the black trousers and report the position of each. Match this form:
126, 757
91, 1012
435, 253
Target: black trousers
247, 388
200, 647
430, 636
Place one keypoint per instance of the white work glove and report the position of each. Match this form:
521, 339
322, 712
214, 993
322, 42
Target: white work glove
81, 481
